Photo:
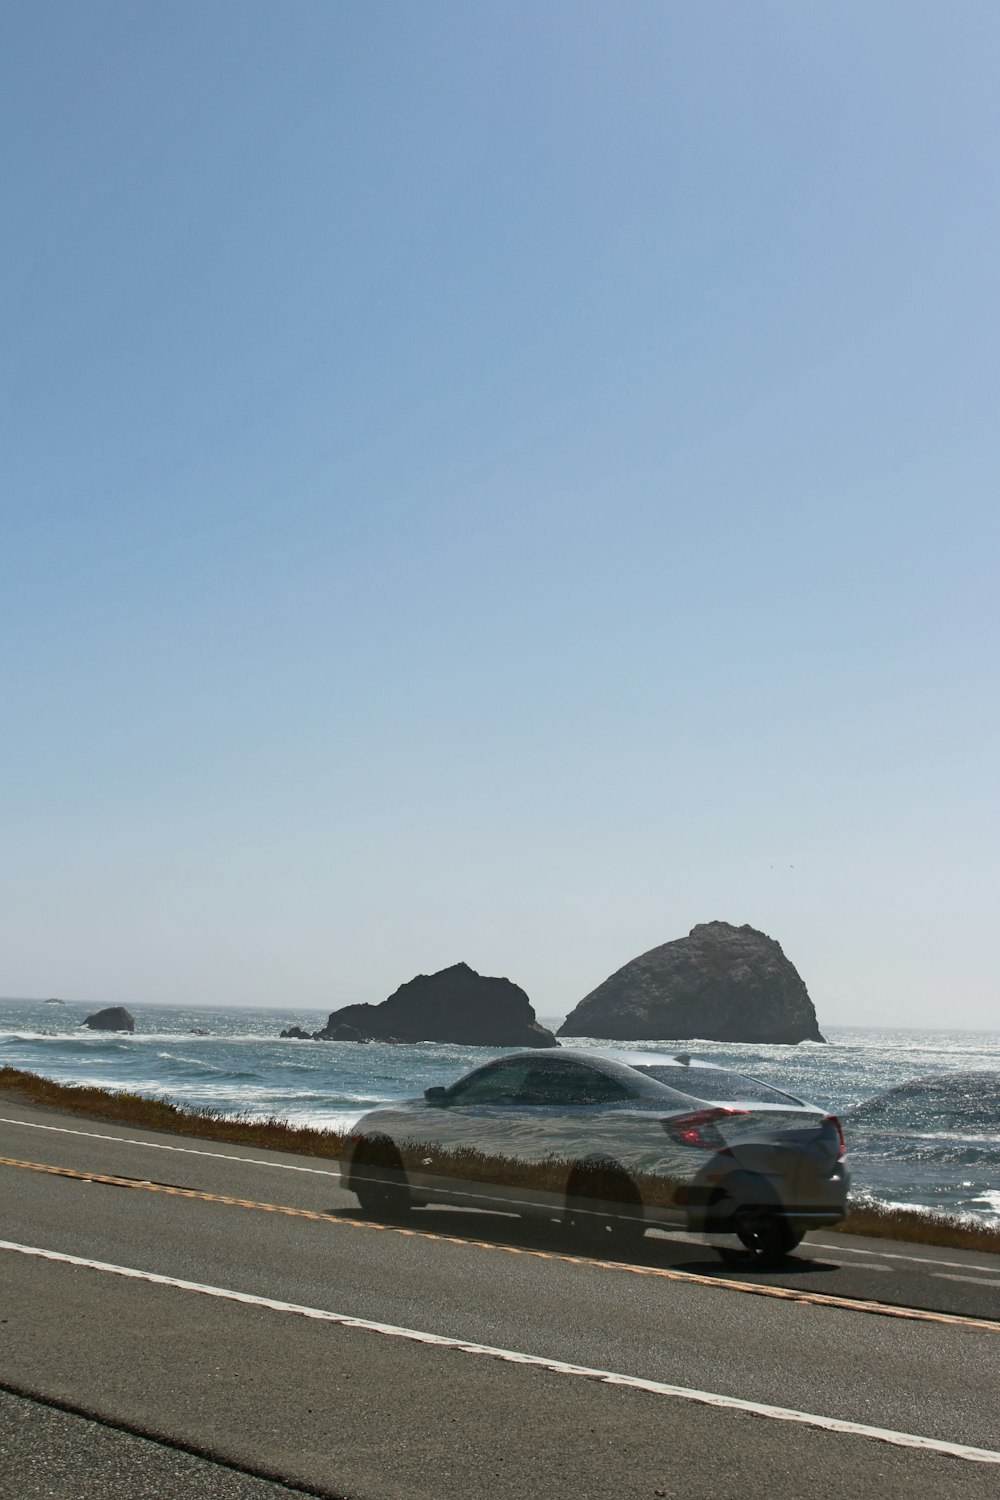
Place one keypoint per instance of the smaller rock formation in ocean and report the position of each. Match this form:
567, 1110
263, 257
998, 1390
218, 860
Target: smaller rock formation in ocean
54, 1001
720, 983
454, 1005
112, 1018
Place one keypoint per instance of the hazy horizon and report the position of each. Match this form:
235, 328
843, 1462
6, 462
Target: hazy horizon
499, 484
548, 1018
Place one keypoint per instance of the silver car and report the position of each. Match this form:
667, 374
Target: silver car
610, 1144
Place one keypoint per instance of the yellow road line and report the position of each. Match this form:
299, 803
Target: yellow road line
717, 1283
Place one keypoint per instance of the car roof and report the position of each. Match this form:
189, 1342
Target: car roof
610, 1054
664, 1059
639, 1061
606, 1062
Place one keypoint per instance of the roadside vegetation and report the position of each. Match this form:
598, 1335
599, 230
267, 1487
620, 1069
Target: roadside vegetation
882, 1221
864, 1218
122, 1108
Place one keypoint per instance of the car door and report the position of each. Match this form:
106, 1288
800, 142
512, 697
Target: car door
472, 1138
571, 1111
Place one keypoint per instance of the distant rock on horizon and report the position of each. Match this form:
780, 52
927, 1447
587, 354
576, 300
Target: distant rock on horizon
112, 1018
721, 983
454, 1005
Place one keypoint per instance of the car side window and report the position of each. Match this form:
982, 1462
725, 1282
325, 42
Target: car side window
500, 1085
569, 1086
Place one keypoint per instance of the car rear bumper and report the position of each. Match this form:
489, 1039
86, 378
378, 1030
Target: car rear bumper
713, 1207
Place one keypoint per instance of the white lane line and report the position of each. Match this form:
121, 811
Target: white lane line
512, 1356
831, 1260
125, 1140
920, 1260
975, 1280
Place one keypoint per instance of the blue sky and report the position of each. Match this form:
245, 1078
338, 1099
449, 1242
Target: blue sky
498, 483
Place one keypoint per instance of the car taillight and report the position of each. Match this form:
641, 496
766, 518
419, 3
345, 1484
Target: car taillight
842, 1148
700, 1128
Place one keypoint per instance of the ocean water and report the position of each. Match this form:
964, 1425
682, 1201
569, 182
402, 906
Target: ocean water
921, 1109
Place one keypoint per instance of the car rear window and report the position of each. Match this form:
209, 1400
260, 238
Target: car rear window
716, 1084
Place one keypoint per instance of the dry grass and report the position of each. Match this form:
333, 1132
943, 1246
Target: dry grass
883, 1222
864, 1218
122, 1108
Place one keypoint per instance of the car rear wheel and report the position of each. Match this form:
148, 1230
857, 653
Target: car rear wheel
766, 1237
379, 1180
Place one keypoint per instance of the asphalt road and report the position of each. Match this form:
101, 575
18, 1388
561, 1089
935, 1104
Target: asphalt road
49, 1454
234, 1304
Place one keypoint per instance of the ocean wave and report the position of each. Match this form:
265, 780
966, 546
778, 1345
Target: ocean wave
916, 1204
905, 1154
957, 1102
188, 1062
46, 1046
66, 1038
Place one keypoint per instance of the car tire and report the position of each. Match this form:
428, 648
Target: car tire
379, 1181
617, 1221
766, 1236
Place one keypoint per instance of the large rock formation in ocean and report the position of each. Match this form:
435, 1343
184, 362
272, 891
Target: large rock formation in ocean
454, 1005
720, 983
112, 1018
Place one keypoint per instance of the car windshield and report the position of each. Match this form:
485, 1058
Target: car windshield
716, 1084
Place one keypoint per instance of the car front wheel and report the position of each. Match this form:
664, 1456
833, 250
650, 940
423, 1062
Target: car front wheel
379, 1181
603, 1208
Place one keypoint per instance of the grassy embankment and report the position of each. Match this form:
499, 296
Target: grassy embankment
277, 1135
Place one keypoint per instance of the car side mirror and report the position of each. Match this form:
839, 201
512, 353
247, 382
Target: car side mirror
436, 1095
